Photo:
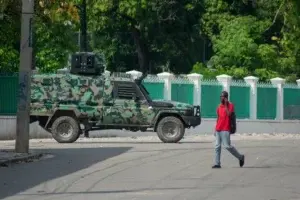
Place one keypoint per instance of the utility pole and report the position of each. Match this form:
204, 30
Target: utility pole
23, 118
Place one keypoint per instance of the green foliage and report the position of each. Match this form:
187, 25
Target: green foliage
234, 37
52, 51
265, 74
260, 40
9, 36
211, 73
9, 59
246, 33
166, 29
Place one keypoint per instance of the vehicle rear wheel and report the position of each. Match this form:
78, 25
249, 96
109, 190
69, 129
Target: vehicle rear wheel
65, 129
170, 129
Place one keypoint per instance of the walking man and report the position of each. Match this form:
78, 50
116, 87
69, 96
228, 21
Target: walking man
222, 132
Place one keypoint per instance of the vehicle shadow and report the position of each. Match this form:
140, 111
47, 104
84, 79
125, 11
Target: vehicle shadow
20, 177
255, 167
143, 142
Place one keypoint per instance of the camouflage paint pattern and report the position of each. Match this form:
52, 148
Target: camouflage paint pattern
177, 105
92, 96
68, 91
128, 112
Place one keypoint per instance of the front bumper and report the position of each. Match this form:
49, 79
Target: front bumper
195, 119
192, 121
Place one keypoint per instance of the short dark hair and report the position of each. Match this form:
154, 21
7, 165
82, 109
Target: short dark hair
225, 93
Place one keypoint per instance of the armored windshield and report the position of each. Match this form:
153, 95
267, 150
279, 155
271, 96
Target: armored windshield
145, 92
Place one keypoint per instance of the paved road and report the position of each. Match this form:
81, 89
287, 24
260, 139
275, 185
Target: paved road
147, 169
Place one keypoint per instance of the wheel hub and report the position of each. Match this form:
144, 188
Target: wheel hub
170, 129
65, 129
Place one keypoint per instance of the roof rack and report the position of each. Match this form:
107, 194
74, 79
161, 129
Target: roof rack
121, 76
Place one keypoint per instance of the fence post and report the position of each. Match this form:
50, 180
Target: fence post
252, 81
225, 80
196, 78
107, 73
135, 74
278, 82
298, 82
166, 76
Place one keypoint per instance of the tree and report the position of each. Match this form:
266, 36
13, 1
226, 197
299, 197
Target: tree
150, 25
248, 37
259, 36
10, 35
56, 23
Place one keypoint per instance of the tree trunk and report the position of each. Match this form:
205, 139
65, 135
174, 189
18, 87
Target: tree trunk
142, 50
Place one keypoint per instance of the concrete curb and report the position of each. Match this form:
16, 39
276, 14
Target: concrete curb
22, 158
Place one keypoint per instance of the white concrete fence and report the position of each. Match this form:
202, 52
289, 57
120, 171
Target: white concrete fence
226, 81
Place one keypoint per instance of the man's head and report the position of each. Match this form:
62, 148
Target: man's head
224, 97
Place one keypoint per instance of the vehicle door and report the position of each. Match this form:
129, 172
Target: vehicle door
89, 92
129, 107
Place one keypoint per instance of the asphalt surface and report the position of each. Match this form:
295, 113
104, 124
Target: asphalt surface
148, 169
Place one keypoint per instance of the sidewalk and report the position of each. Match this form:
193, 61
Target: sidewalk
9, 157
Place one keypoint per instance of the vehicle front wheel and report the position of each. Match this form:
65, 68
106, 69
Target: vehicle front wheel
65, 129
170, 129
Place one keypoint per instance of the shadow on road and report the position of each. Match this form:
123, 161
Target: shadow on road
143, 142
20, 177
259, 167
133, 191
255, 167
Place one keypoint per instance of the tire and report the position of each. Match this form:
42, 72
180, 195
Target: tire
170, 123
70, 125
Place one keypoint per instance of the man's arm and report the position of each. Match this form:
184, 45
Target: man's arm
229, 108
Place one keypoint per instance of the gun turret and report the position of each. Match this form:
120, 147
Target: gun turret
86, 63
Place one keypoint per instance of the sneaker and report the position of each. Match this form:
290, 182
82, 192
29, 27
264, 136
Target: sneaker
242, 161
216, 166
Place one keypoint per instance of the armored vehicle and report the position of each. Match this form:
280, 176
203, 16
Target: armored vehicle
86, 99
